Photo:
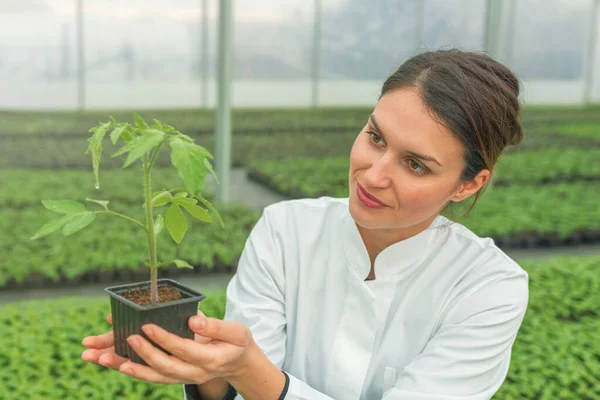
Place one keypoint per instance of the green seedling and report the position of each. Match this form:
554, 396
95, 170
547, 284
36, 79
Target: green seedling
142, 143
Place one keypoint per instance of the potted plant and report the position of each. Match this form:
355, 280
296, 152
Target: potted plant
163, 302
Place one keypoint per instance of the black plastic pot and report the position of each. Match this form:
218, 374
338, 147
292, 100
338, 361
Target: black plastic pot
128, 317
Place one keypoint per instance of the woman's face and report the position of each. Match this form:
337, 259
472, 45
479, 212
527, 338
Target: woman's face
404, 166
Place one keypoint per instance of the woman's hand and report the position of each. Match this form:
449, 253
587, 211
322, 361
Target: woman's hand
105, 344
101, 349
220, 350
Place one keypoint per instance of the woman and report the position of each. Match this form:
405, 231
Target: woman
375, 296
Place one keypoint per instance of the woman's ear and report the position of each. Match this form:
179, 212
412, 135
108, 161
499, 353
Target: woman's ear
469, 188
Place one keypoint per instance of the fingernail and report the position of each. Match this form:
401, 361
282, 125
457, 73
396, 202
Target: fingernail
85, 356
133, 342
148, 330
126, 368
83, 342
199, 322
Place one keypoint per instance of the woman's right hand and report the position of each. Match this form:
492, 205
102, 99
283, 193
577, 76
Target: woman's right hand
101, 350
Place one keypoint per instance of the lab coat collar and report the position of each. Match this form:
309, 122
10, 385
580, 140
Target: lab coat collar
394, 260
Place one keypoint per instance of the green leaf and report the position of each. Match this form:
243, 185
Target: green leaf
210, 169
51, 226
185, 137
211, 208
140, 146
103, 203
151, 131
139, 121
123, 131
166, 128
169, 129
155, 194
159, 224
189, 158
197, 212
95, 146
182, 264
78, 222
181, 194
182, 201
64, 206
163, 126
175, 223
161, 199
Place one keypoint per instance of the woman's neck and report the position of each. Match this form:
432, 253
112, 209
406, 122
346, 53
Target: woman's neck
377, 240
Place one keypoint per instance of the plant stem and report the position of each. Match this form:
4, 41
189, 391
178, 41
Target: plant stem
150, 230
124, 217
155, 154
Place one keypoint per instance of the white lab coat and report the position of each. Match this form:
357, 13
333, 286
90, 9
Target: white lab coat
438, 322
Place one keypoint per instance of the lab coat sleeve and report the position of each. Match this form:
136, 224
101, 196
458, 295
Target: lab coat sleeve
256, 298
468, 357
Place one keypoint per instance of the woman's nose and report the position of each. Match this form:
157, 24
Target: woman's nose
378, 174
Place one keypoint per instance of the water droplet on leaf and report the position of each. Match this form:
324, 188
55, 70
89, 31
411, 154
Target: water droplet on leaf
97, 186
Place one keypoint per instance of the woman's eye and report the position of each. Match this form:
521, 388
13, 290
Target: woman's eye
376, 139
417, 167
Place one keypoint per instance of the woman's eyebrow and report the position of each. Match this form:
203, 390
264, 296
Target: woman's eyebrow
411, 153
423, 157
372, 118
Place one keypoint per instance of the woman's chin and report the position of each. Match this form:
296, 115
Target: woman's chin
361, 215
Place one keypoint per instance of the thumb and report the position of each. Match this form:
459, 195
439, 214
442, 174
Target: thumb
198, 337
227, 331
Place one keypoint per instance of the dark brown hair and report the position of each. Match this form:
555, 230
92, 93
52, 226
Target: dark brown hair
471, 94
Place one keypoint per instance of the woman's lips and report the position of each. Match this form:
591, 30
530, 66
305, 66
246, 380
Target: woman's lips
368, 199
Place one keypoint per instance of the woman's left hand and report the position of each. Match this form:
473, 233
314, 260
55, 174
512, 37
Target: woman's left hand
191, 362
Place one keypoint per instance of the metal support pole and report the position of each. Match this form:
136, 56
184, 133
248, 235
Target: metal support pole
64, 60
590, 56
204, 54
316, 56
493, 28
80, 56
420, 23
499, 29
487, 27
492, 40
223, 118
510, 32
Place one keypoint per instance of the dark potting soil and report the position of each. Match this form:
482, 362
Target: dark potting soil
141, 296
